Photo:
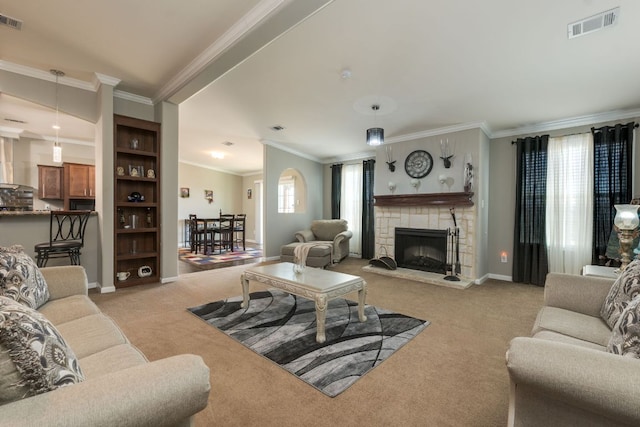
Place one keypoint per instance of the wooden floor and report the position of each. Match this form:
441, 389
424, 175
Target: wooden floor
186, 268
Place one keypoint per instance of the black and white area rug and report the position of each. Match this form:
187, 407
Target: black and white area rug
282, 328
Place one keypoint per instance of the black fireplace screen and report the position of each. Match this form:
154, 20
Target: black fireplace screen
421, 249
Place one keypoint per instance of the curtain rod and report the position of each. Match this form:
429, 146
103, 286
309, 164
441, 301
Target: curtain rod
635, 126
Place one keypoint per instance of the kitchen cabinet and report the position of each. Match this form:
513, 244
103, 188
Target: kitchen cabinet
50, 182
79, 183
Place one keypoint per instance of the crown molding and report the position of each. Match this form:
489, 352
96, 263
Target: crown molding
483, 126
45, 75
200, 165
351, 157
232, 35
103, 79
568, 123
132, 97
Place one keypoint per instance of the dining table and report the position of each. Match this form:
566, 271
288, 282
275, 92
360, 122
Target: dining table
212, 226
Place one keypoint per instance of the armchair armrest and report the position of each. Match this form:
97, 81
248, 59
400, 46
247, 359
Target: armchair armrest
161, 393
305, 236
65, 281
582, 294
345, 235
592, 380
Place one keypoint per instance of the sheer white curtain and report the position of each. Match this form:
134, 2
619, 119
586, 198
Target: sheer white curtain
351, 205
569, 217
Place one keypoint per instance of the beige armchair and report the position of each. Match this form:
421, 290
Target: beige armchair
332, 237
333, 231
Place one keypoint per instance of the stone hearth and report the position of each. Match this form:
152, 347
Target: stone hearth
434, 214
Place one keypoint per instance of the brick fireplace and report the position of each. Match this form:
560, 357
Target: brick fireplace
427, 212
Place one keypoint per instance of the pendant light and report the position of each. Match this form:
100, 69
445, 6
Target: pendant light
57, 149
375, 136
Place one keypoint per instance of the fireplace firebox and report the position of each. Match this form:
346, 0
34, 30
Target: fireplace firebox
421, 249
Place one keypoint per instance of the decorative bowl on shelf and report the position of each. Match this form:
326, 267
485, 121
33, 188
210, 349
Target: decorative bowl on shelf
135, 197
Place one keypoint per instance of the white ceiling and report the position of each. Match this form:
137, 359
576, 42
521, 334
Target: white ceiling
431, 66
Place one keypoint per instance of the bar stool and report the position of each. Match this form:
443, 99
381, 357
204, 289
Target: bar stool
66, 237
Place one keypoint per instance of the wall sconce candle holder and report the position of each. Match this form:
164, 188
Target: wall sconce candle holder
446, 153
390, 162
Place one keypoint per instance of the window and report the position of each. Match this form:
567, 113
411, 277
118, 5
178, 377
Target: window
286, 194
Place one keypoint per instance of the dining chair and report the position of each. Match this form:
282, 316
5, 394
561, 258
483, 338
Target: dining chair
66, 237
238, 230
197, 233
223, 233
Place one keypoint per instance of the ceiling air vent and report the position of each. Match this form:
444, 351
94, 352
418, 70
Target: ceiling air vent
10, 22
594, 23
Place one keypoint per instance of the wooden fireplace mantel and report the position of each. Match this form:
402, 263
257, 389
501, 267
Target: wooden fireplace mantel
437, 199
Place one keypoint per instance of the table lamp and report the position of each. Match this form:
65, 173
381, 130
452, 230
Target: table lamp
626, 221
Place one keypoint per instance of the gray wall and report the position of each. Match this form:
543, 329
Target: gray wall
280, 228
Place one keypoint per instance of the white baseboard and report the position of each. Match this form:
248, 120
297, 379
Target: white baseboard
106, 289
501, 277
92, 285
481, 280
168, 279
272, 258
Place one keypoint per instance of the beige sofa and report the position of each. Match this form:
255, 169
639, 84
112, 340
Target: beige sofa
334, 233
563, 374
121, 387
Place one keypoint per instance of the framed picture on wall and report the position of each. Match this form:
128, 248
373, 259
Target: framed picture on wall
208, 194
184, 192
249, 193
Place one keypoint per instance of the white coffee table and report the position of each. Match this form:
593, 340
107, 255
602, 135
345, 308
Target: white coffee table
315, 284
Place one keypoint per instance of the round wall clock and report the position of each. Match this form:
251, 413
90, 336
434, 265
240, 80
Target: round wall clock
418, 164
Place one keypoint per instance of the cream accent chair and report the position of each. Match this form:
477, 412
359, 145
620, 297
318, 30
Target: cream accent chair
333, 232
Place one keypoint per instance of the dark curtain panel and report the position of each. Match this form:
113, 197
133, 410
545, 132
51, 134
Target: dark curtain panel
612, 181
336, 190
368, 218
530, 262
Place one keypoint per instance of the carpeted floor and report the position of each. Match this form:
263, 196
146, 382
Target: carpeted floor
451, 374
282, 328
225, 259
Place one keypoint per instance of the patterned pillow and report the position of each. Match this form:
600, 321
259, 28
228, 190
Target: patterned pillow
20, 278
34, 358
623, 290
625, 339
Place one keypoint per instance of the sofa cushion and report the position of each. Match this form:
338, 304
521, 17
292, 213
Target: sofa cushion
91, 334
20, 278
67, 309
543, 335
111, 360
625, 339
34, 358
573, 324
327, 229
623, 290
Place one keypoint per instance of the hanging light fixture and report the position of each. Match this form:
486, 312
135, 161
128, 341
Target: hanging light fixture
375, 136
57, 149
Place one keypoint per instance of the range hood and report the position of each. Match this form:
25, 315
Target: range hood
6, 161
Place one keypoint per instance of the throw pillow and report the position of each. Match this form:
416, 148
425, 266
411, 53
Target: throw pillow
625, 339
623, 290
20, 278
34, 357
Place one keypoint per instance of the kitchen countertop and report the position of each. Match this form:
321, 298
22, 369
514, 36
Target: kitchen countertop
29, 213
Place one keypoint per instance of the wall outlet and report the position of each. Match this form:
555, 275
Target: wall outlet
503, 257
47, 207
